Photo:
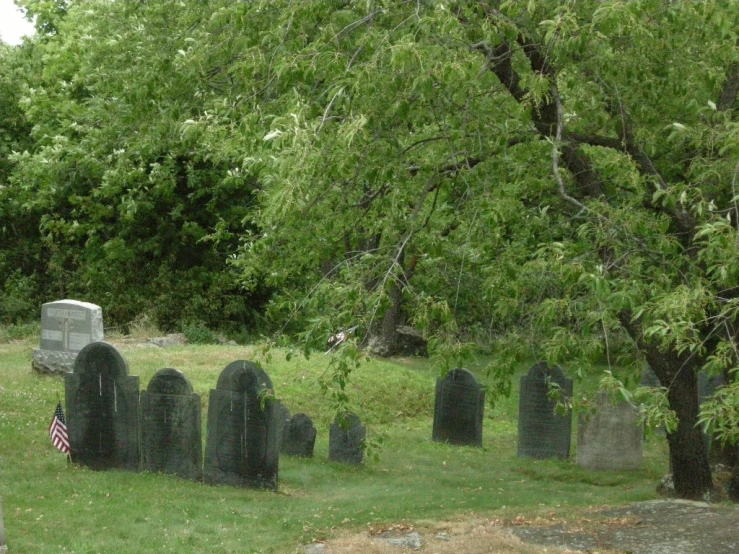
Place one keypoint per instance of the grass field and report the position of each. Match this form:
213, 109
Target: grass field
51, 506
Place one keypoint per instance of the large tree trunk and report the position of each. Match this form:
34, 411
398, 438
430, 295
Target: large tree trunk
384, 340
384, 337
691, 472
688, 456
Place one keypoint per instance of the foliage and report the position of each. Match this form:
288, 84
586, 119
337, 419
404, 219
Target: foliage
198, 334
122, 196
549, 180
571, 164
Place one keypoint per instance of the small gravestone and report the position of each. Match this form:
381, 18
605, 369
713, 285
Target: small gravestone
67, 326
458, 409
102, 409
611, 438
241, 444
282, 415
542, 433
346, 440
299, 437
648, 377
708, 385
170, 426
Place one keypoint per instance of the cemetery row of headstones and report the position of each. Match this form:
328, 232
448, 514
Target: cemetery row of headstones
609, 439
113, 425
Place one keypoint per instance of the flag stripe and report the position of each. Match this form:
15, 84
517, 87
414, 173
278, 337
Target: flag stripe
58, 430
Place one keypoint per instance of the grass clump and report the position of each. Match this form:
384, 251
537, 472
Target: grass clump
51, 506
19, 331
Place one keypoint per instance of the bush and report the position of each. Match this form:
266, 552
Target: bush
198, 333
19, 331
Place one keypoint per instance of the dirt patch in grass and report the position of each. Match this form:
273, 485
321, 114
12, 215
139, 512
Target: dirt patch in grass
461, 537
653, 527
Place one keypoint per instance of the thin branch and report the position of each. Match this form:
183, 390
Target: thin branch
328, 109
422, 141
555, 152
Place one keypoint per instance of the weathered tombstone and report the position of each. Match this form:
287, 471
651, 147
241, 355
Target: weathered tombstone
102, 409
241, 444
67, 326
542, 433
171, 426
648, 377
282, 415
299, 437
610, 438
708, 385
346, 440
458, 409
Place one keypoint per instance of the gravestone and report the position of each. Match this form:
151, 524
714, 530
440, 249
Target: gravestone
282, 415
171, 426
611, 438
648, 377
542, 433
299, 437
241, 444
346, 440
458, 409
102, 409
708, 385
67, 326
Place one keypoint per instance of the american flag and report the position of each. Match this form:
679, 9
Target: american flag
58, 430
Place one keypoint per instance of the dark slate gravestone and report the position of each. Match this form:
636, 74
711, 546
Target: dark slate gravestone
170, 426
648, 377
67, 326
610, 438
458, 409
282, 416
346, 439
241, 444
103, 409
299, 437
708, 385
541, 432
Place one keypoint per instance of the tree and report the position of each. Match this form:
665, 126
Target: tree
123, 194
18, 263
558, 180
573, 162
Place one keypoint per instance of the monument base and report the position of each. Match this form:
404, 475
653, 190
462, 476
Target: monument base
50, 362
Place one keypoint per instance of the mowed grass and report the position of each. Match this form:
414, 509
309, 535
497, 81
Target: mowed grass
51, 506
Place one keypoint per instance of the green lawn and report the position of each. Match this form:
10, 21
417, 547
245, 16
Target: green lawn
50, 506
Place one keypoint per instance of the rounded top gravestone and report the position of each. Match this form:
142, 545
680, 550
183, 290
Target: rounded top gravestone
348, 420
100, 358
542, 433
243, 376
461, 376
102, 409
169, 381
458, 409
543, 371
